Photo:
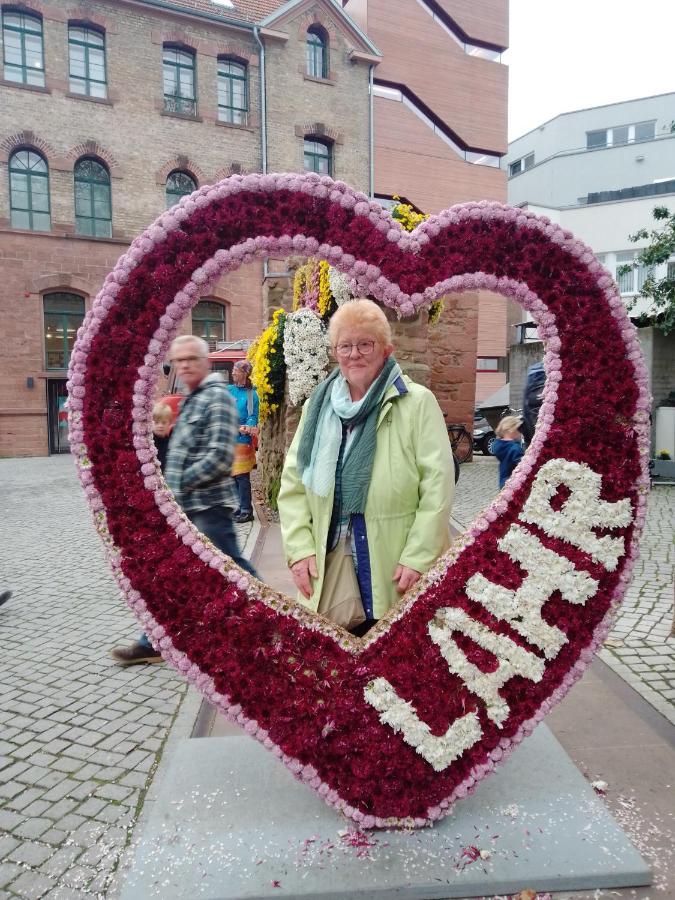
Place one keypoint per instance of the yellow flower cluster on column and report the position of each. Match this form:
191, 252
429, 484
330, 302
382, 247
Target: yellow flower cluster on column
326, 304
410, 219
266, 355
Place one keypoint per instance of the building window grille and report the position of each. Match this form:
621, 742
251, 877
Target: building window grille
625, 273
63, 315
93, 207
620, 135
521, 165
29, 191
179, 81
317, 52
86, 53
23, 50
318, 157
179, 184
232, 92
208, 321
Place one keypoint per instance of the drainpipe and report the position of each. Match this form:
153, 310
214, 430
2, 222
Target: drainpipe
263, 119
263, 99
371, 132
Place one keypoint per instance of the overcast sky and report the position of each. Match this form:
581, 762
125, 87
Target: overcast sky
571, 54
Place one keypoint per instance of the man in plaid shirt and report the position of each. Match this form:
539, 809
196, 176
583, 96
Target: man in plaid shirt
198, 463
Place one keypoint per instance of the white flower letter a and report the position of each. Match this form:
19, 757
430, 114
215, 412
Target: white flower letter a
580, 514
400, 715
546, 572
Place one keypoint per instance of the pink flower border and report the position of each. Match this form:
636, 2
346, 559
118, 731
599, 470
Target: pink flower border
371, 280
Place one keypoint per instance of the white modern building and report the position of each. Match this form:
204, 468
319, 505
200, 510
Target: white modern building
600, 173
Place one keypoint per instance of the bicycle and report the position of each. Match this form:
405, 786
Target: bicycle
460, 441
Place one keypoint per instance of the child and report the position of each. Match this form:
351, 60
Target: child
162, 422
508, 448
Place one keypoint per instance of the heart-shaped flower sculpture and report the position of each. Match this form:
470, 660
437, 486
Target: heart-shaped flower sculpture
393, 728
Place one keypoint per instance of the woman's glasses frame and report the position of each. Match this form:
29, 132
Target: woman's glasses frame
363, 348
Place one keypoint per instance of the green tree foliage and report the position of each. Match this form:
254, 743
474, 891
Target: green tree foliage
660, 250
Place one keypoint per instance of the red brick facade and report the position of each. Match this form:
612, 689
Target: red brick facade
140, 145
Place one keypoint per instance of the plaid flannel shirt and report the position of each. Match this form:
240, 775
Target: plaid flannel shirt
201, 449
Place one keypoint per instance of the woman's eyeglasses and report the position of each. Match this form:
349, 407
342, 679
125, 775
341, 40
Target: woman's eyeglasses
364, 348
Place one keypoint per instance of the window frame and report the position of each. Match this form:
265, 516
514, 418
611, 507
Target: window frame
29, 173
210, 320
322, 142
518, 166
226, 80
22, 31
92, 182
66, 316
178, 196
317, 53
485, 359
173, 103
87, 79
630, 131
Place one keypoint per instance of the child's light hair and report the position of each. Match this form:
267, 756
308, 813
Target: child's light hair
507, 425
162, 412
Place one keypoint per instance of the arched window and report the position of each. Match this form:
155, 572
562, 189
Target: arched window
29, 191
178, 185
63, 315
208, 321
93, 208
86, 55
318, 156
317, 52
179, 80
23, 51
232, 91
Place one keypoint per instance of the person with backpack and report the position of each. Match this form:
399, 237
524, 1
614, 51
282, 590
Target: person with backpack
244, 452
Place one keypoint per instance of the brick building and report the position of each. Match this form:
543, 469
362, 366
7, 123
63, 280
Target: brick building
109, 112
440, 105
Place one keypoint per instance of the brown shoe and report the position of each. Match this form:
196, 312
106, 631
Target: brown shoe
135, 654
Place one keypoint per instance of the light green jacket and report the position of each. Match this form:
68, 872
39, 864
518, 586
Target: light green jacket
408, 506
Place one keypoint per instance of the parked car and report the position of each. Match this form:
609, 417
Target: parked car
483, 435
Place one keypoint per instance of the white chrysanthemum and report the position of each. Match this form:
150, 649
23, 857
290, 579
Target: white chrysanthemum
305, 353
341, 287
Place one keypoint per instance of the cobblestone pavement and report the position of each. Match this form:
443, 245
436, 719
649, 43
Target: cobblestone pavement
80, 737
640, 647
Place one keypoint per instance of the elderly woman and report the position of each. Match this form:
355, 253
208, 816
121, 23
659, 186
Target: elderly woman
244, 452
369, 470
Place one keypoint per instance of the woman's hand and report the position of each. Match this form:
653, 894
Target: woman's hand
302, 571
405, 578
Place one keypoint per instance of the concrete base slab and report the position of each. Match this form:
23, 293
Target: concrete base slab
231, 822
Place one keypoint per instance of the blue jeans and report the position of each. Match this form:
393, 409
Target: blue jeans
244, 488
216, 524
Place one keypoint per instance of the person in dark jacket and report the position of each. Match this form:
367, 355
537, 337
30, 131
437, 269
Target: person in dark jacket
508, 447
533, 396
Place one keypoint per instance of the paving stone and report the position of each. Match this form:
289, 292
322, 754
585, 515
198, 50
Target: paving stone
32, 885
115, 792
63, 859
8, 872
7, 844
31, 853
32, 827
9, 820
78, 876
